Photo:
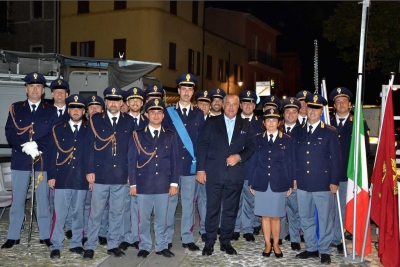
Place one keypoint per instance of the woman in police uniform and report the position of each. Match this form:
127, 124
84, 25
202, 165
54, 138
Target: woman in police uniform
273, 179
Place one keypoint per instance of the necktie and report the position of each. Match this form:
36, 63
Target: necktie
184, 114
33, 109
310, 129
59, 115
155, 137
288, 130
76, 130
230, 130
304, 120
340, 126
247, 119
114, 124
271, 141
134, 123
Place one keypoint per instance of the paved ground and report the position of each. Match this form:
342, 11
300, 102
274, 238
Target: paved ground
249, 254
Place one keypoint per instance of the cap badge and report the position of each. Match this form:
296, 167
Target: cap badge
135, 91
155, 88
218, 91
156, 101
76, 98
59, 82
35, 75
291, 100
188, 77
205, 93
248, 93
338, 90
304, 93
315, 98
113, 91
271, 111
272, 98
93, 97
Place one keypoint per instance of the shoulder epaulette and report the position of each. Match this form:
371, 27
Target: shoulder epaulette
255, 117
351, 117
258, 134
322, 125
280, 134
141, 116
330, 127
288, 136
169, 130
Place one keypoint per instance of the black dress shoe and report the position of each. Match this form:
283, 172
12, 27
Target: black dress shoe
143, 253
166, 253
325, 259
68, 234
302, 239
295, 246
307, 254
256, 230
77, 250
235, 236
55, 254
88, 255
348, 236
203, 237
124, 245
84, 241
10, 243
191, 246
208, 250
278, 255
46, 241
135, 245
287, 238
249, 237
102, 241
340, 248
116, 252
267, 254
228, 249
169, 245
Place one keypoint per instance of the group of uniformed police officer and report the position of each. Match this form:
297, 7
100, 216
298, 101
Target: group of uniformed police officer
99, 174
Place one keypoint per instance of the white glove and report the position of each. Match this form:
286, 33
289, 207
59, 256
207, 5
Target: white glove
34, 153
29, 147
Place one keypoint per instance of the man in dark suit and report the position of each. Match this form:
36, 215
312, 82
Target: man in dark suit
246, 217
28, 130
106, 165
318, 163
226, 143
67, 176
187, 121
153, 176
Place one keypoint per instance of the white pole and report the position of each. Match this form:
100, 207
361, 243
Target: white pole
341, 223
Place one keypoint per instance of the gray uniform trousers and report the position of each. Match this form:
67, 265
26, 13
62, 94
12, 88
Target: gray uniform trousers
324, 201
20, 183
201, 198
115, 195
187, 189
129, 226
246, 217
68, 201
292, 209
337, 232
146, 203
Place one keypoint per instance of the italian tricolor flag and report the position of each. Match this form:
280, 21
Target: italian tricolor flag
362, 184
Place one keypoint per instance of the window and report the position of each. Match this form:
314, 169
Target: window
198, 59
209, 67
235, 74
191, 61
195, 12
221, 76
37, 10
241, 74
83, 7
36, 48
172, 56
119, 5
74, 48
227, 71
87, 49
119, 48
173, 7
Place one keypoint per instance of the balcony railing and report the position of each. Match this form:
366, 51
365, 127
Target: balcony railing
264, 58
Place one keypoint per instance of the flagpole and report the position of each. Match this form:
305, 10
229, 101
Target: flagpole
357, 126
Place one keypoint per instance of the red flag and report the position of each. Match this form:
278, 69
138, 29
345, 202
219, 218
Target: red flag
384, 209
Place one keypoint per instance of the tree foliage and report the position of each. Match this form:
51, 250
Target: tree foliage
383, 36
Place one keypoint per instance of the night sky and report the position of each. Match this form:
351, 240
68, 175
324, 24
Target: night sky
300, 23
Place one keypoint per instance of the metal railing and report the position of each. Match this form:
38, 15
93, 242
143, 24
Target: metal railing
264, 58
